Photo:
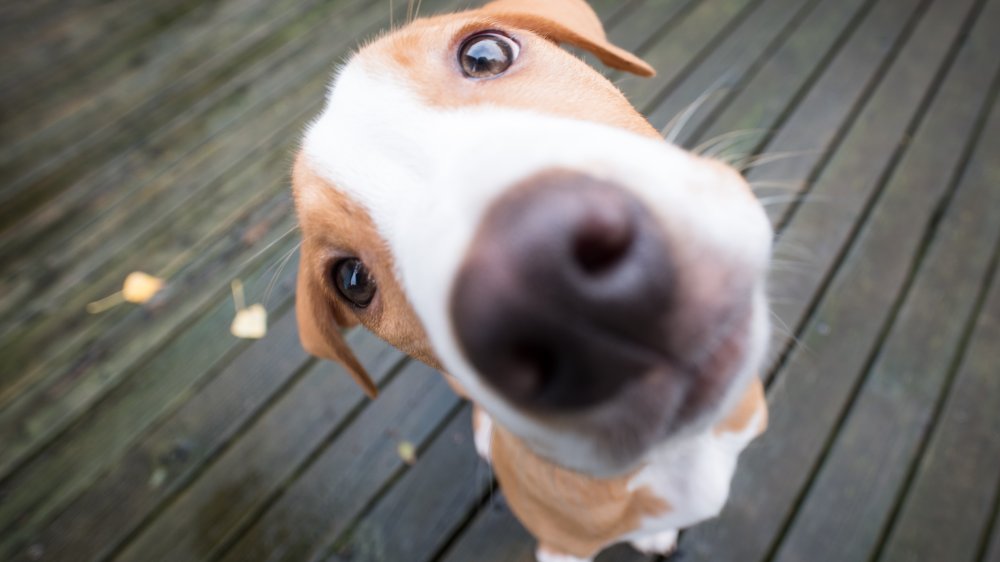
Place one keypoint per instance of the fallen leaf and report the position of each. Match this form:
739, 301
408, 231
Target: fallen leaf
407, 452
250, 323
139, 287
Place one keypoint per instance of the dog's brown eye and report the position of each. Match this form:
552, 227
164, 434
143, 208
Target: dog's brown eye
487, 55
354, 282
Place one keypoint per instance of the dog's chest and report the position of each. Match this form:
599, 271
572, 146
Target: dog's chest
681, 484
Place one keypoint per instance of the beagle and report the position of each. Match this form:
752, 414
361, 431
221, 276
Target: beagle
494, 207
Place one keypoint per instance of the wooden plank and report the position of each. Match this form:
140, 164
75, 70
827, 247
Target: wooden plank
246, 478
42, 164
100, 352
813, 126
170, 55
187, 140
846, 324
675, 50
493, 536
80, 385
80, 41
736, 55
947, 511
84, 231
851, 498
164, 380
772, 91
991, 551
651, 18
847, 180
179, 447
282, 520
421, 510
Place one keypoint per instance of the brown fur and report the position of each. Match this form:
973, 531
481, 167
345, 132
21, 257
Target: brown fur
567, 511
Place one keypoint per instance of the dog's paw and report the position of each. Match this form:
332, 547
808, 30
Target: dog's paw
482, 426
545, 555
663, 543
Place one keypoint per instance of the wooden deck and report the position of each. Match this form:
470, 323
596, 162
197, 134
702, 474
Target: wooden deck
156, 135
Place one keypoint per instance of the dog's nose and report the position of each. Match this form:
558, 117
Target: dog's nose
563, 295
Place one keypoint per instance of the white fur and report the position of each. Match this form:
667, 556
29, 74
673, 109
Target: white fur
427, 175
663, 542
546, 556
694, 475
484, 434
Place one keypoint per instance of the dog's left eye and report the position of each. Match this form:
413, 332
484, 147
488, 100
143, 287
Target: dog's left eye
353, 281
487, 55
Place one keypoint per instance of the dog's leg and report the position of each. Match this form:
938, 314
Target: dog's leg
543, 554
482, 428
663, 543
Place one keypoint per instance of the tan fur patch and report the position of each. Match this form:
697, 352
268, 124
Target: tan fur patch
335, 227
544, 78
568, 512
739, 418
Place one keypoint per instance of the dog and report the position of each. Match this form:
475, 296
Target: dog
491, 205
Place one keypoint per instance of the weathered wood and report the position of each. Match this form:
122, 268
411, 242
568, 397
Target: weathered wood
99, 353
93, 38
819, 378
849, 177
991, 551
175, 452
813, 126
421, 510
850, 499
679, 46
335, 487
493, 536
161, 382
649, 19
738, 52
142, 104
258, 101
247, 478
947, 511
760, 104
78, 386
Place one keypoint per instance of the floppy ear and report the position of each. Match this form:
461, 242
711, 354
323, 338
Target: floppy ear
567, 21
320, 329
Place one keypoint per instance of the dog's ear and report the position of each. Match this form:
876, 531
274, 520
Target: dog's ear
320, 328
567, 21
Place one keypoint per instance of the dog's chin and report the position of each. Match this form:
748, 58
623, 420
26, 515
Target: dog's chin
667, 405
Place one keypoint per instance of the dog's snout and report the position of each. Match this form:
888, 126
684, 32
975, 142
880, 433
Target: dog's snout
562, 297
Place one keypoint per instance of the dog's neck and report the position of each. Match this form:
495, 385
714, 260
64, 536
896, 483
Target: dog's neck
737, 419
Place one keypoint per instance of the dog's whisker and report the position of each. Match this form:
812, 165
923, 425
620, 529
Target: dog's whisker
674, 127
270, 245
801, 198
721, 140
277, 273
783, 185
767, 158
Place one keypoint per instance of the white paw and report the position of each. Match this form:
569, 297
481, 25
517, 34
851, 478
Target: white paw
482, 425
546, 556
664, 542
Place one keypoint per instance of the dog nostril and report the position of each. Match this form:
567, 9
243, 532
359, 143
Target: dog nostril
602, 242
535, 367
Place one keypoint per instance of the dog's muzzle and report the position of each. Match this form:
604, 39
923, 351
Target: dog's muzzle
567, 294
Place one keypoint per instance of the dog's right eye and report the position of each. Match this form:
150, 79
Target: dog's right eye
487, 55
353, 281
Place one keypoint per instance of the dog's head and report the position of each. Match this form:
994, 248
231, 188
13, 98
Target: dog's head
491, 205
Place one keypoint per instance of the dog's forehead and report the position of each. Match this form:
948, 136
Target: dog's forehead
423, 58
